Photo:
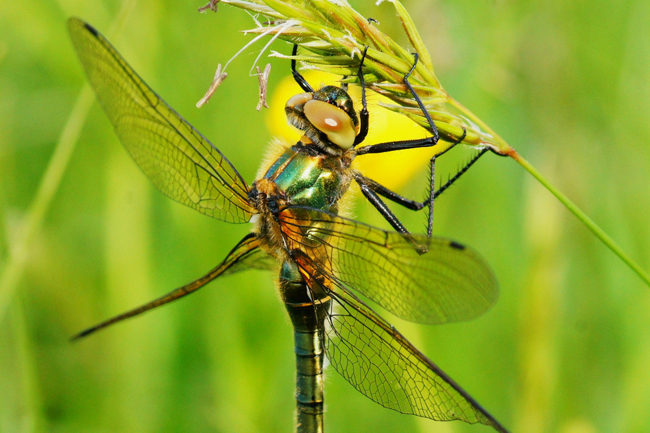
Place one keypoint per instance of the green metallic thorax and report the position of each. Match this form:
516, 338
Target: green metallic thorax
309, 179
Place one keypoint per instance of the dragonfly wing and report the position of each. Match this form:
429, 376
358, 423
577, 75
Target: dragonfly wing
180, 162
246, 255
450, 282
385, 367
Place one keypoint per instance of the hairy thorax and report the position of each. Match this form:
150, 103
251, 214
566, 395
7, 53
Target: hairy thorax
302, 177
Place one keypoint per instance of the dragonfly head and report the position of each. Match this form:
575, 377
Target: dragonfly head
327, 117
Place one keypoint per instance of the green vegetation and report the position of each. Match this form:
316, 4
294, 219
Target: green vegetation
566, 347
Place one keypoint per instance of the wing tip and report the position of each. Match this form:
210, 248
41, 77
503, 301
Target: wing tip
91, 29
457, 245
74, 22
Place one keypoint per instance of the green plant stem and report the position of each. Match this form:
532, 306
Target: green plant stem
506, 150
591, 225
49, 185
502, 147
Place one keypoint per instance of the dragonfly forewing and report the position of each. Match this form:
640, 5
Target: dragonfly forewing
451, 282
180, 162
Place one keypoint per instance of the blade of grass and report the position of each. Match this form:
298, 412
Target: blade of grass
49, 185
591, 225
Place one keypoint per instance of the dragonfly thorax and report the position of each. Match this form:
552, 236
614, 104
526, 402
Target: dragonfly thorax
327, 117
302, 177
267, 198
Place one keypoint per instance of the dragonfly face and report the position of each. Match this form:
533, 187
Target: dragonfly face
327, 117
325, 260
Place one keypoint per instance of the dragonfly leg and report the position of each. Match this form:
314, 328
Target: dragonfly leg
372, 195
390, 195
367, 188
364, 116
372, 190
304, 85
461, 172
405, 144
412, 144
432, 182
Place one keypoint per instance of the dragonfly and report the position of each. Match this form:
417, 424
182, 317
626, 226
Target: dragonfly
329, 265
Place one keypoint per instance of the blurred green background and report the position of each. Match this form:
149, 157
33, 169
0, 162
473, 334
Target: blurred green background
566, 349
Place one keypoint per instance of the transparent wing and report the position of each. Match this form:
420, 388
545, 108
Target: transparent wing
381, 364
450, 282
365, 349
180, 162
245, 255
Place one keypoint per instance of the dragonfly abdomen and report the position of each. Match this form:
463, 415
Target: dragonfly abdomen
307, 311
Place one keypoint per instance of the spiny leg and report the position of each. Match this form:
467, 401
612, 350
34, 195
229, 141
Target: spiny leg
460, 172
413, 204
366, 187
372, 190
432, 179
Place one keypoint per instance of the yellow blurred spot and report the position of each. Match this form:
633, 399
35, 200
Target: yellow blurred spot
392, 169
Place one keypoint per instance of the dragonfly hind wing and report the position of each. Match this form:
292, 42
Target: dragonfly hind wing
450, 282
385, 367
361, 346
180, 162
245, 255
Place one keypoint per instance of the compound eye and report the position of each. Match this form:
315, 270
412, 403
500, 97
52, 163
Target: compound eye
332, 121
297, 102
